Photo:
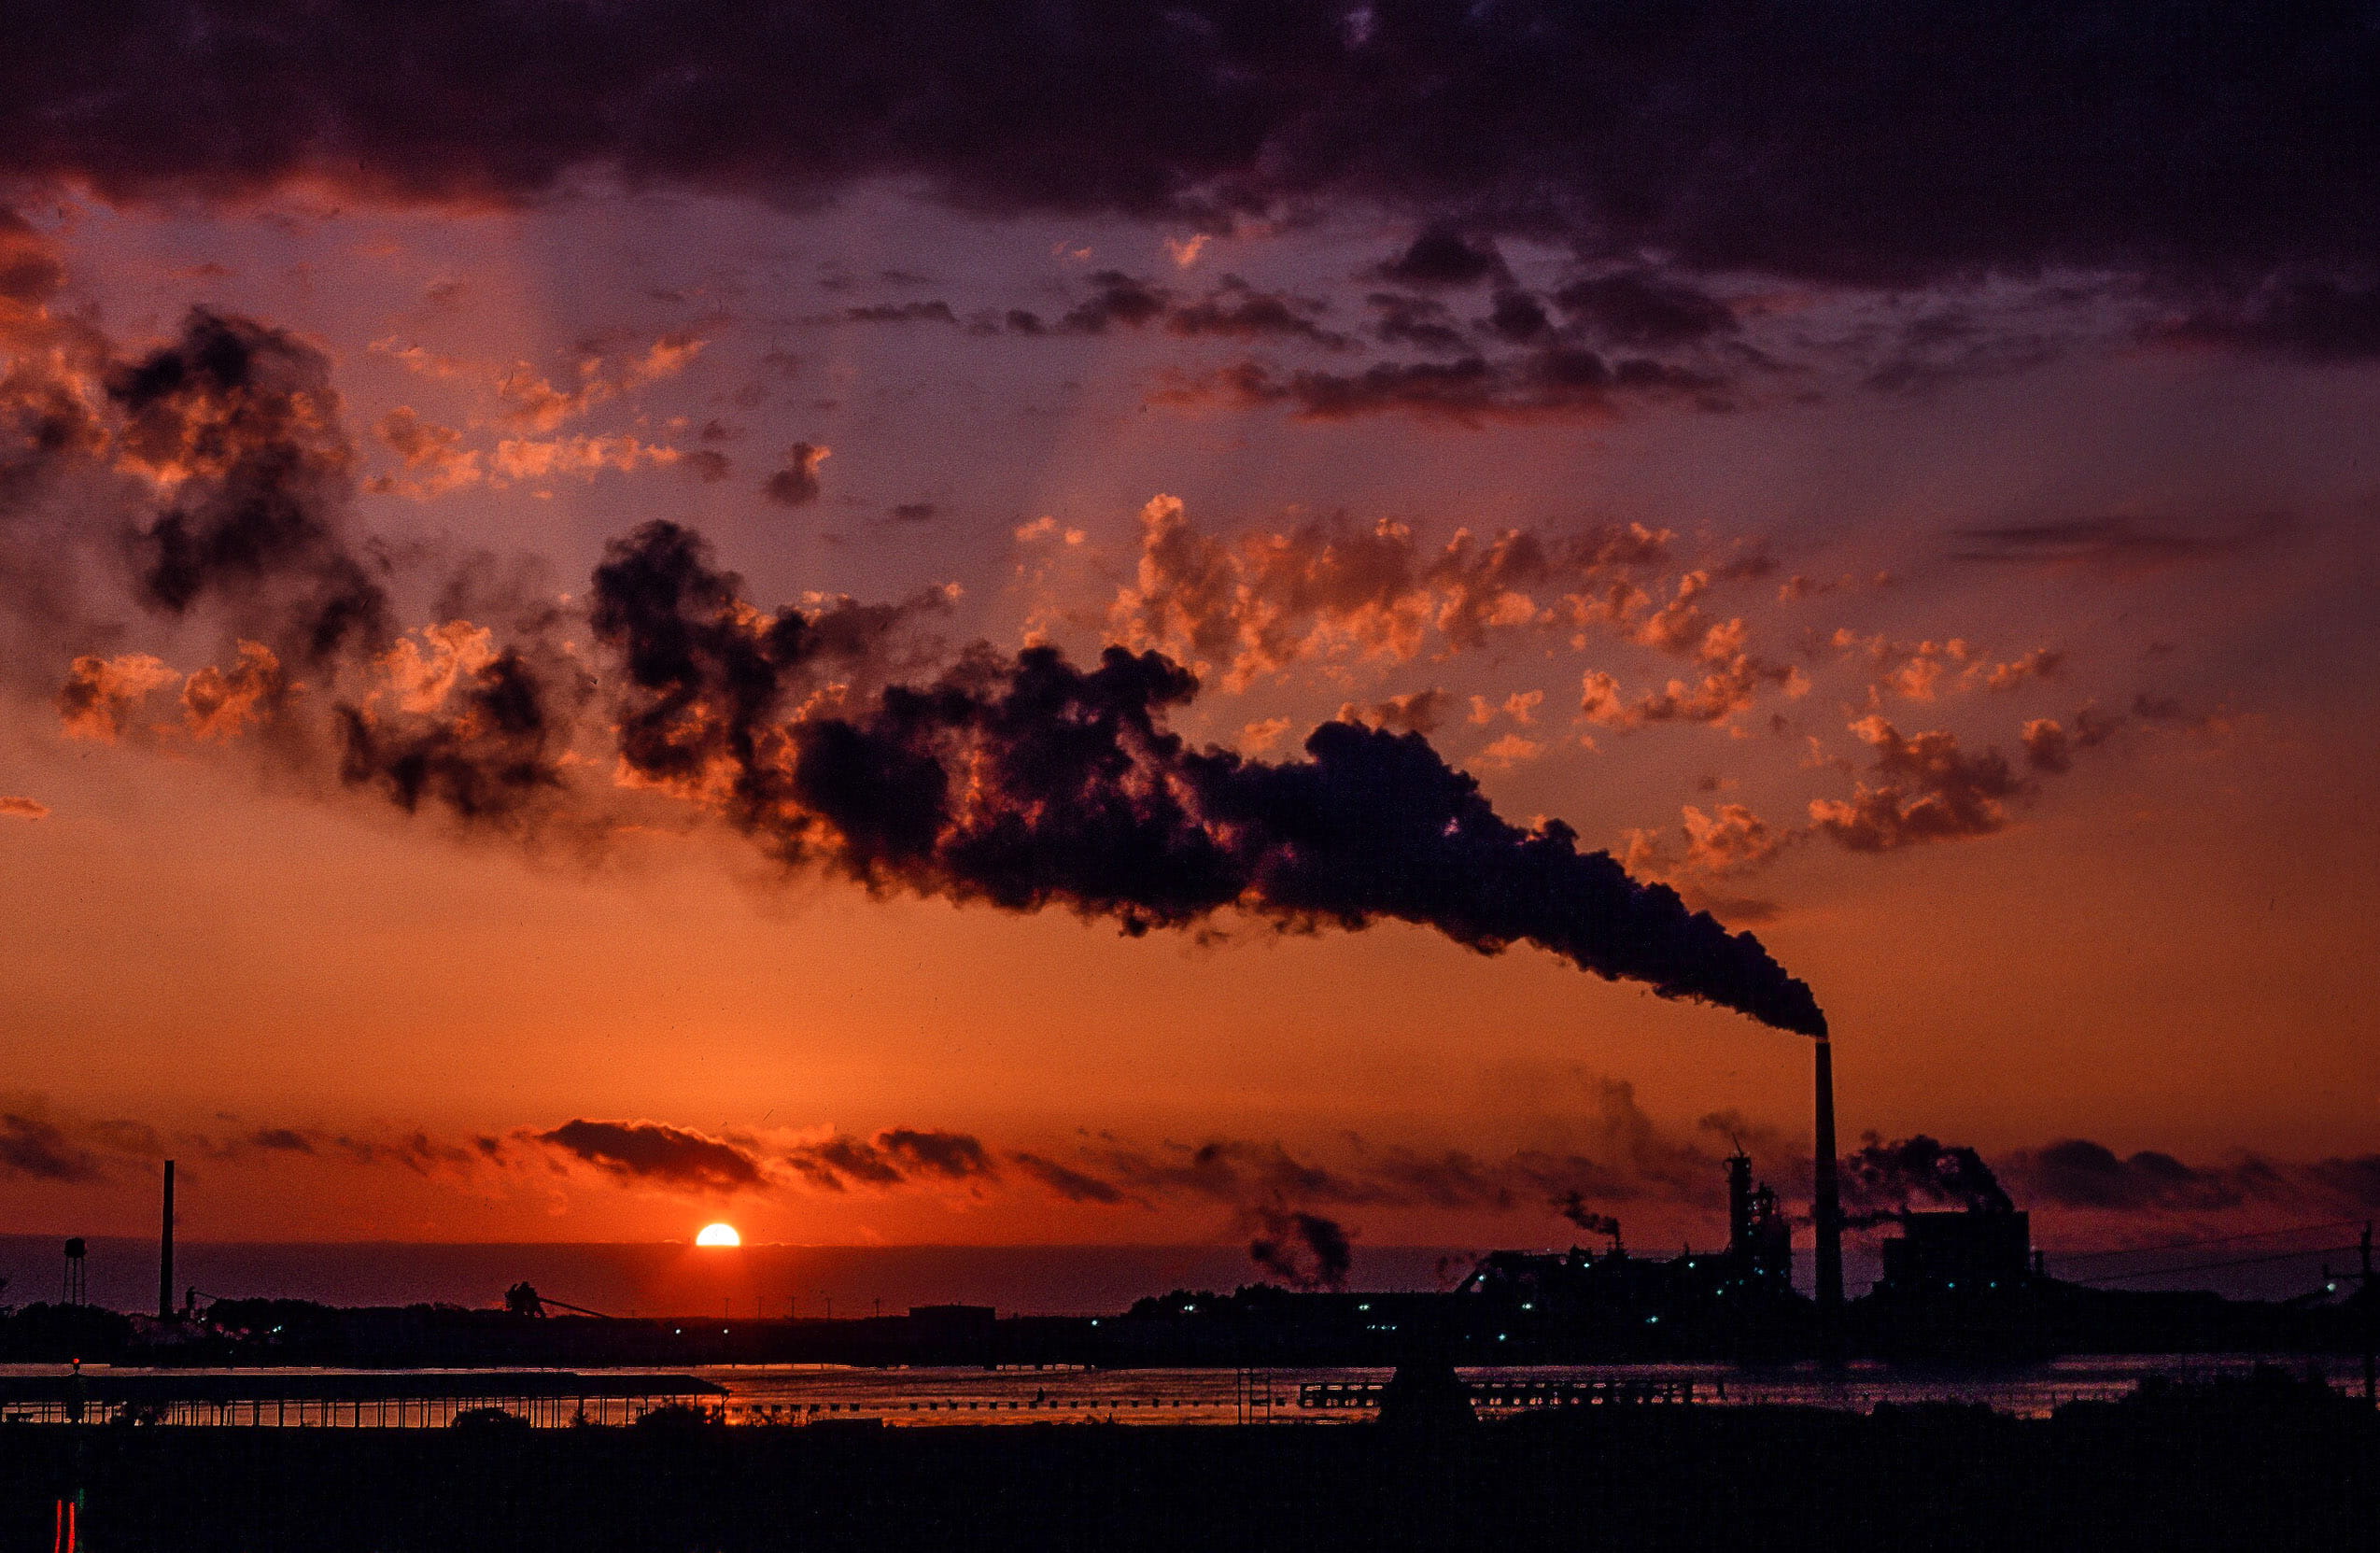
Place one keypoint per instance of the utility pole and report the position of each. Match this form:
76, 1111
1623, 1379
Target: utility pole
2364, 1297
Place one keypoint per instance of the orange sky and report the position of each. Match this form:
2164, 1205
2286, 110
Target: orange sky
2159, 941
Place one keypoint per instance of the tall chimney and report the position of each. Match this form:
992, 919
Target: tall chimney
166, 1252
1828, 1209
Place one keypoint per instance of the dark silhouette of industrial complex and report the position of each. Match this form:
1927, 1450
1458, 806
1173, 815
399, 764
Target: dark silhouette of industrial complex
1962, 1285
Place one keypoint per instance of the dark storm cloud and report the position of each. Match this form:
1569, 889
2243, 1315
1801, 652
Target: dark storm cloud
655, 1151
2206, 146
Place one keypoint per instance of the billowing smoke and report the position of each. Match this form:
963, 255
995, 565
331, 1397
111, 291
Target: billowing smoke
240, 424
1891, 1176
1023, 781
1028, 783
1304, 1251
1572, 1205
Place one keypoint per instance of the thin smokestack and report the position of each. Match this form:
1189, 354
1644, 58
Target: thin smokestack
1827, 1211
166, 1252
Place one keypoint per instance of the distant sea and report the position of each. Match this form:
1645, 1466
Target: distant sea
678, 1280
671, 1280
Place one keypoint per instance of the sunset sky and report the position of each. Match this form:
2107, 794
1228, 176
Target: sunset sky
1900, 477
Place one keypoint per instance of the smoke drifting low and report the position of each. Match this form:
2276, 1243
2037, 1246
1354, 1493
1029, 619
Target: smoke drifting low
1304, 1251
1890, 1177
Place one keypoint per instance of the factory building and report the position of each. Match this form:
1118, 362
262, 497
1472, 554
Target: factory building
1947, 1255
1760, 1238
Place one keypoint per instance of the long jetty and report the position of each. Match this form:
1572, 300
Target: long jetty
341, 1398
1513, 1393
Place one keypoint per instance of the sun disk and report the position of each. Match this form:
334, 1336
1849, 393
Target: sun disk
718, 1234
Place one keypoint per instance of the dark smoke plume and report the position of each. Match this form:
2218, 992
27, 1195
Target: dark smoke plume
495, 754
1572, 1205
1023, 782
1029, 782
242, 420
1303, 1250
1893, 1174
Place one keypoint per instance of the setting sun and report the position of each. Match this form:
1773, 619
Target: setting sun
718, 1234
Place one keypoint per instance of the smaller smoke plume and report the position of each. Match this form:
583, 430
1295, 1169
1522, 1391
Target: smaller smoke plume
1892, 1176
1572, 1205
1304, 1251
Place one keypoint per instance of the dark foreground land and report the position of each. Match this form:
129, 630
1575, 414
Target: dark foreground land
2197, 1470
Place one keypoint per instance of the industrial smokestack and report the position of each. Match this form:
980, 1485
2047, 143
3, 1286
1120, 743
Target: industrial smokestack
1739, 1206
166, 1252
1827, 1211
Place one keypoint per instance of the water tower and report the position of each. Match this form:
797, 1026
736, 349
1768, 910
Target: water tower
75, 1290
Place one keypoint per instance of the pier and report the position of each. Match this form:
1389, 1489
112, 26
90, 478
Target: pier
1508, 1394
341, 1399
